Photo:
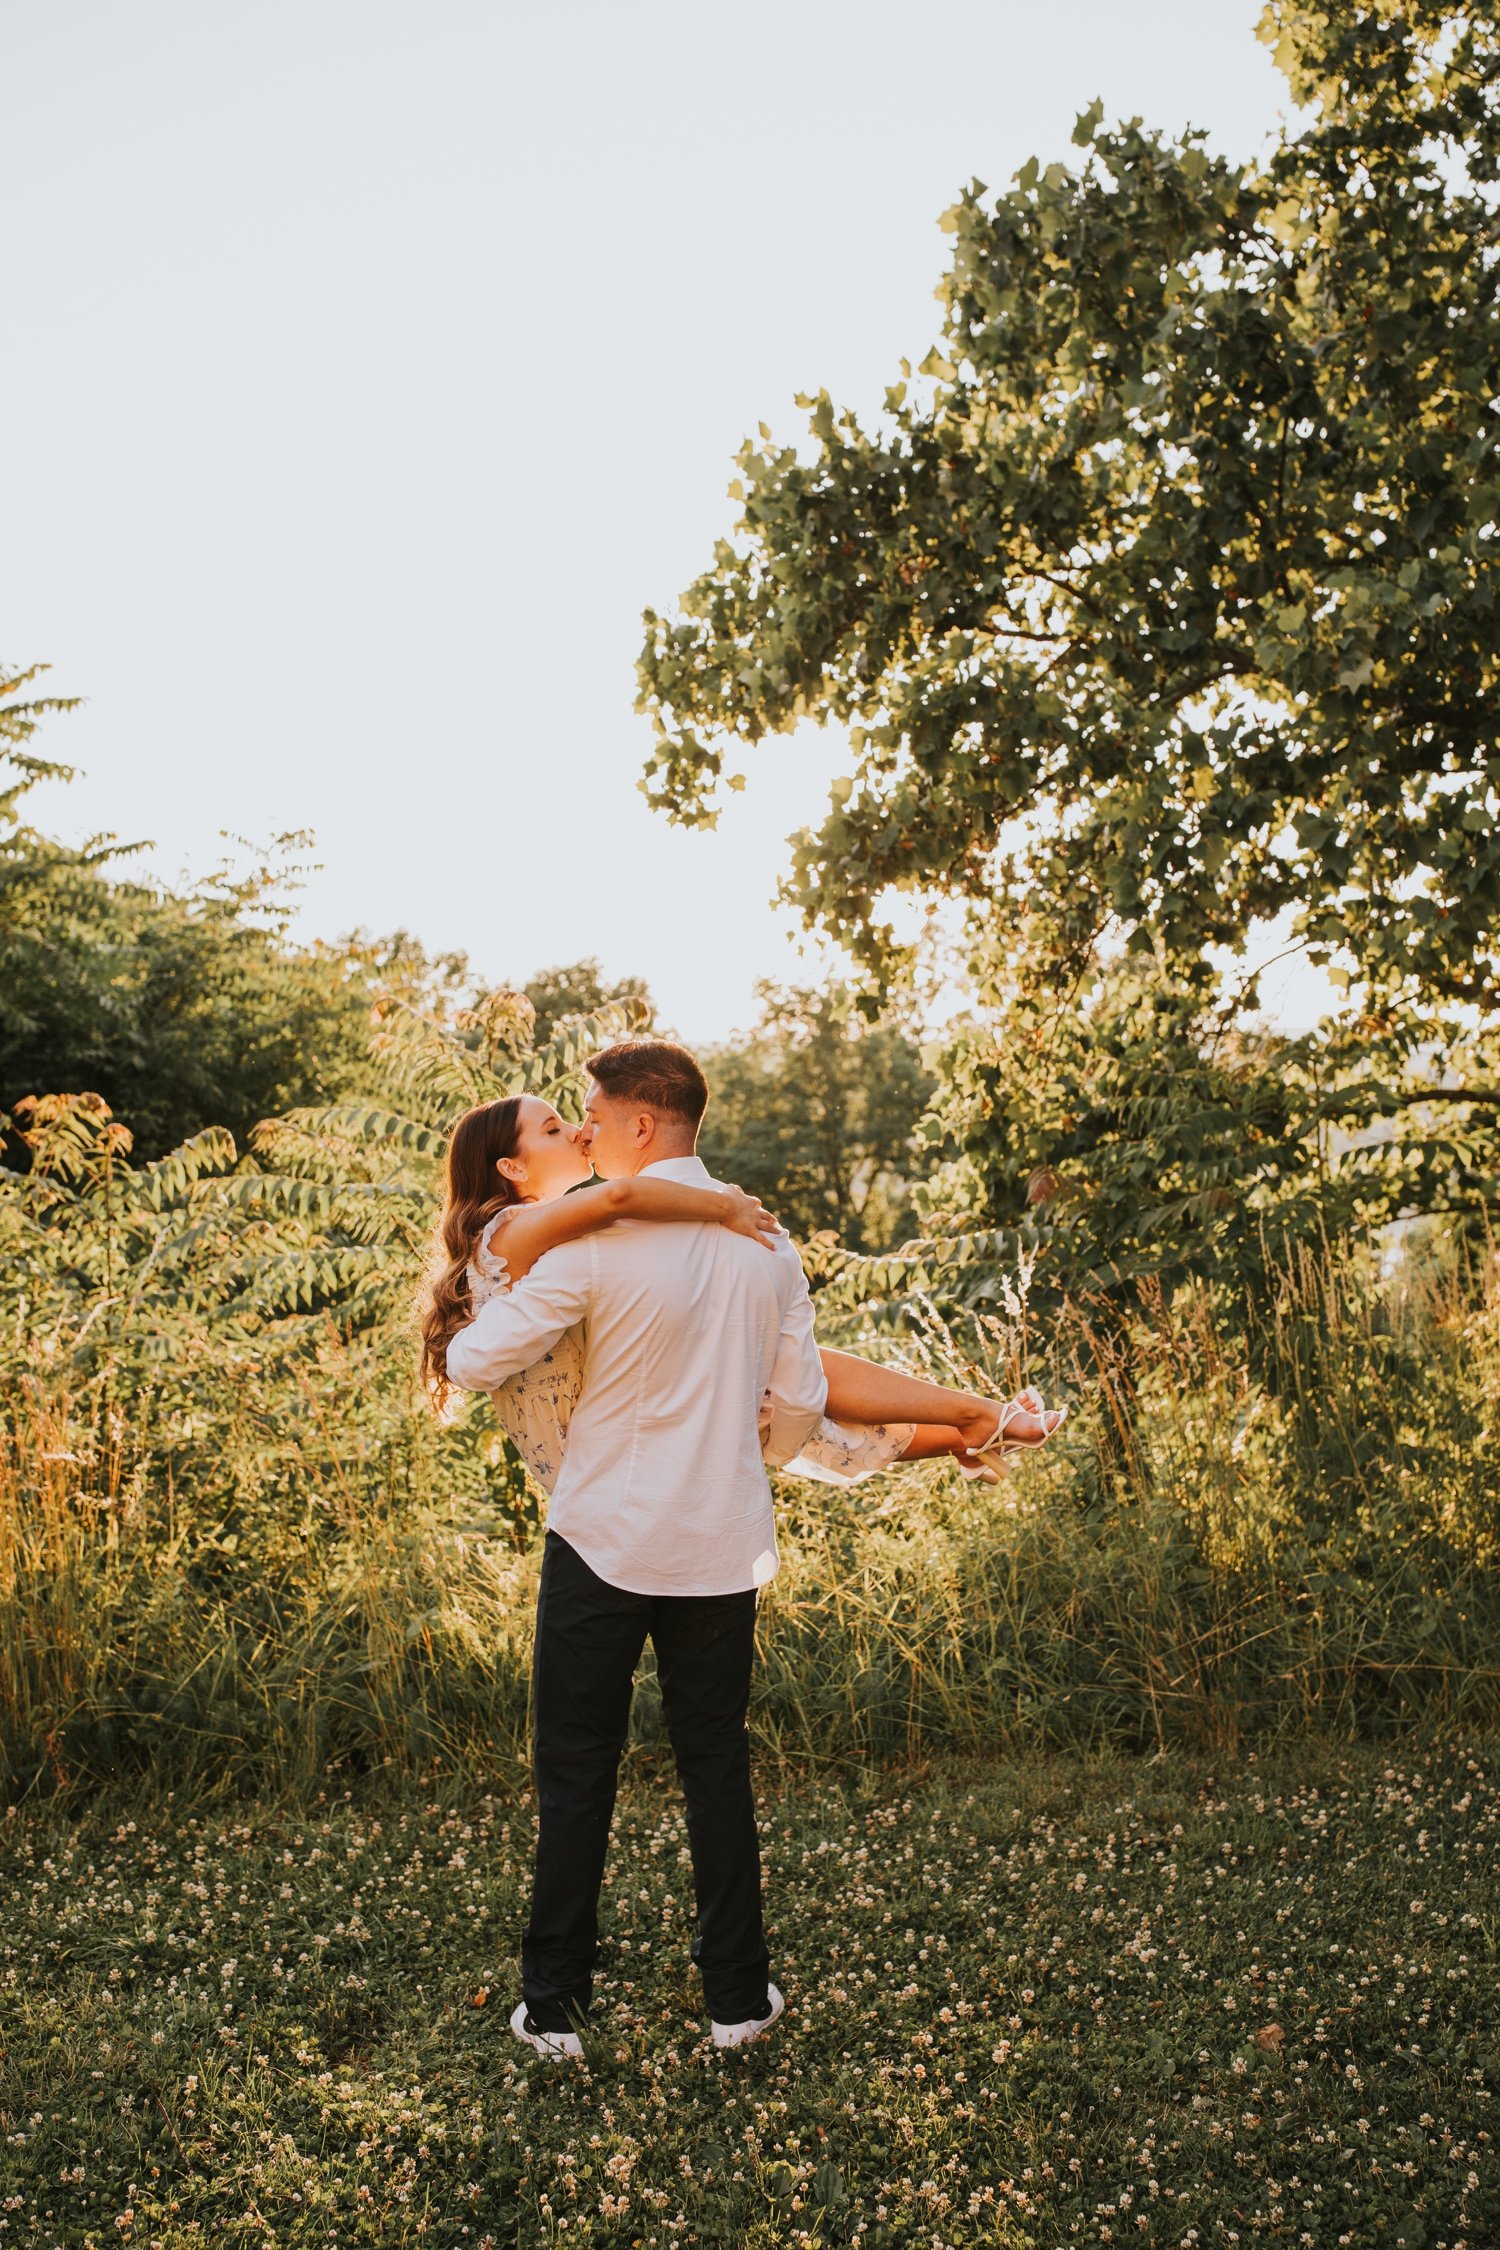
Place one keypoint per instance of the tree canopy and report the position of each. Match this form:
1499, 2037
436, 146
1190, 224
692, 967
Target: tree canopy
816, 1111
1141, 1133
182, 1010
1162, 596
581, 989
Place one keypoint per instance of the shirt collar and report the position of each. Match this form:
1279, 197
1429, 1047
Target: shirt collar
690, 1168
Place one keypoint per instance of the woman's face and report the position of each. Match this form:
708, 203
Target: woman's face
549, 1158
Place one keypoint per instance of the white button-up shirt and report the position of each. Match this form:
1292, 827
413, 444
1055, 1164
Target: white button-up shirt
686, 1327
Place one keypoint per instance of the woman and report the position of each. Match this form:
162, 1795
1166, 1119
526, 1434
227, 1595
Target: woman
511, 1164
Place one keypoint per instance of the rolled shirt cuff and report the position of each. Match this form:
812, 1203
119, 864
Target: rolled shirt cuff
790, 1428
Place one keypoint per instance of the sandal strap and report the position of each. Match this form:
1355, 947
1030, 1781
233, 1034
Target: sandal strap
1008, 1411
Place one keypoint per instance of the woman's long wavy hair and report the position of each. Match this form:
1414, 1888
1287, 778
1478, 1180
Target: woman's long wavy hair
475, 1192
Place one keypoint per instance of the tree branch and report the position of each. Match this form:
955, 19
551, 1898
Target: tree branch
1489, 1096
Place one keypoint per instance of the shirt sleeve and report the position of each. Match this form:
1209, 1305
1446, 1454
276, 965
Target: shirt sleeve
519, 1326
798, 1388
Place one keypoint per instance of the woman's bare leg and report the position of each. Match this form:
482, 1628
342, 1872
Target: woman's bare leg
933, 1441
860, 1390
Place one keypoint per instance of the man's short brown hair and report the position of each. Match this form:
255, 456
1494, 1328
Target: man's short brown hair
655, 1073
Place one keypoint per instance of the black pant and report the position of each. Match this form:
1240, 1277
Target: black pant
589, 1637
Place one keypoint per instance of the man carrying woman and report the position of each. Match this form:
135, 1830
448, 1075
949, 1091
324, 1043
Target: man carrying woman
649, 1345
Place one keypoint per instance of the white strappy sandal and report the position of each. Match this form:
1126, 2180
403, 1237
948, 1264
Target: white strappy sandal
986, 1462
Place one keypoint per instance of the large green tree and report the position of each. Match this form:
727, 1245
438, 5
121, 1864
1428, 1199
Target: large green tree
1162, 598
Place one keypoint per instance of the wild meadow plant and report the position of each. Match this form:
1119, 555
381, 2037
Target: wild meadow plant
1291, 1525
270, 1564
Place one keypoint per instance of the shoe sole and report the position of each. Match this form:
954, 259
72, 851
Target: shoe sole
544, 2044
748, 2038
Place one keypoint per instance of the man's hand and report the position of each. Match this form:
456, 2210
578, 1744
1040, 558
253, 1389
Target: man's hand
746, 1214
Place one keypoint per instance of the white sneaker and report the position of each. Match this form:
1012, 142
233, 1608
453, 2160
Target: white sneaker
545, 2042
739, 2034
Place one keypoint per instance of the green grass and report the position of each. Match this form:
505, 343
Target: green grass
1066, 2000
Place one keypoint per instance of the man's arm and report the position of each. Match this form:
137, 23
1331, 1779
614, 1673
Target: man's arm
799, 1388
519, 1326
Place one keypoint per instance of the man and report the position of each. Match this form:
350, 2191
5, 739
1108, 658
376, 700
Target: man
661, 1523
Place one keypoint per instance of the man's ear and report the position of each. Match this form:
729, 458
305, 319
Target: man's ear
645, 1128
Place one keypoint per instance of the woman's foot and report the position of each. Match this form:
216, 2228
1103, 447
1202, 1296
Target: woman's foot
1025, 1420
993, 1431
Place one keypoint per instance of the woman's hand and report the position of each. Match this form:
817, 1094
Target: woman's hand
746, 1214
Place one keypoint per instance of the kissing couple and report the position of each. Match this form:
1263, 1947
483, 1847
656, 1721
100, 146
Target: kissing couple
648, 1345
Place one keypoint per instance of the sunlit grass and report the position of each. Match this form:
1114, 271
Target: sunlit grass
1067, 2000
1296, 1530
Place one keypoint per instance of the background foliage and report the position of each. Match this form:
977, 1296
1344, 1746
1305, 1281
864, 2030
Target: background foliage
1160, 602
183, 1009
816, 1111
1162, 597
236, 1550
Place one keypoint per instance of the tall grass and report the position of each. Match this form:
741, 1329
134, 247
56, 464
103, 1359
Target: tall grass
1252, 1526
318, 1577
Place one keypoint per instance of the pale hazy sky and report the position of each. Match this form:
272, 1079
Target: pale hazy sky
370, 367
